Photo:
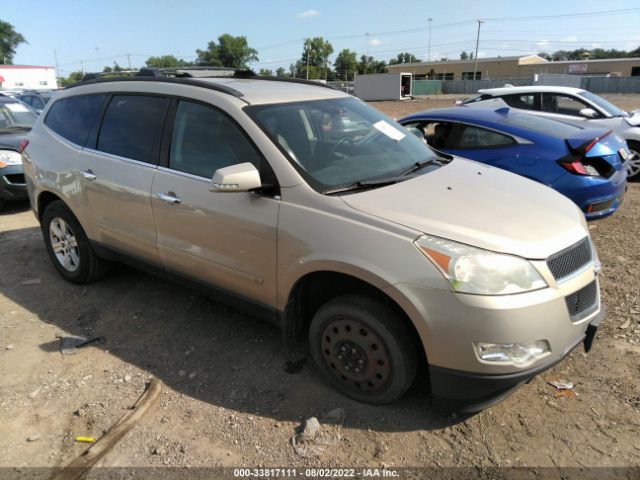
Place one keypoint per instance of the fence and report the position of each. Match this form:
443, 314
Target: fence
470, 87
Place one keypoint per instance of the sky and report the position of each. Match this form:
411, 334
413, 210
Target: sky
97, 33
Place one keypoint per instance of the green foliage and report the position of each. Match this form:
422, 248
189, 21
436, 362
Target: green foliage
265, 72
230, 51
404, 57
346, 64
73, 77
595, 54
281, 72
371, 65
166, 61
9, 41
464, 55
317, 51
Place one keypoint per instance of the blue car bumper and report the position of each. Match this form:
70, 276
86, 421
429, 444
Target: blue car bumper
597, 197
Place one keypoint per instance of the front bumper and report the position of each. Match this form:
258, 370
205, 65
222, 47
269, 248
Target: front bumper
468, 392
12, 183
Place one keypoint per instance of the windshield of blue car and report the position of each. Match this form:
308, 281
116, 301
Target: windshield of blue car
603, 104
338, 142
15, 116
545, 126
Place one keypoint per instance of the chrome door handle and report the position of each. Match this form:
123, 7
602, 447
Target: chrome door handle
88, 174
169, 198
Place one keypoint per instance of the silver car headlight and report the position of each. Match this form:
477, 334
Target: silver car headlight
9, 157
474, 270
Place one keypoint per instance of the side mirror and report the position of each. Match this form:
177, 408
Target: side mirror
588, 113
236, 178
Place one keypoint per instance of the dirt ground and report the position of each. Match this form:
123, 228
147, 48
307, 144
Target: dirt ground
233, 396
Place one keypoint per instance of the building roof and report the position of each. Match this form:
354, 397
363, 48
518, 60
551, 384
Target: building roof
22, 67
530, 89
526, 59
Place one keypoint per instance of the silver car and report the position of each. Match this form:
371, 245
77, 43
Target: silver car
321, 215
573, 105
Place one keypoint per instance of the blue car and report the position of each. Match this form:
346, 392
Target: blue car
586, 165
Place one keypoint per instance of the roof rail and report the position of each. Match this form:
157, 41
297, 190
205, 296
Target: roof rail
188, 75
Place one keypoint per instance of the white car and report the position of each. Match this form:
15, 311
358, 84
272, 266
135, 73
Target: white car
573, 105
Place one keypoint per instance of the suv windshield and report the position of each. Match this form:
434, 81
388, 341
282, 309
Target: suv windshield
339, 142
14, 115
603, 104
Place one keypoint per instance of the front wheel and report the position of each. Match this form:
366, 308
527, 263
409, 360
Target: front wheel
68, 245
363, 349
633, 165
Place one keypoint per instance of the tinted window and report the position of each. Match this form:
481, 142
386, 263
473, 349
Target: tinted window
205, 140
603, 104
73, 117
132, 126
474, 137
524, 101
562, 104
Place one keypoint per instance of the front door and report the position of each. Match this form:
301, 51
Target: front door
224, 239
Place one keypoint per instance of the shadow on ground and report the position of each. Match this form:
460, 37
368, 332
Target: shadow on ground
239, 361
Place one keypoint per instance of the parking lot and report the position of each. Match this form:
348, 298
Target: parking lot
234, 396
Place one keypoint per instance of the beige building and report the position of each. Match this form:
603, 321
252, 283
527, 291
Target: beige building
527, 66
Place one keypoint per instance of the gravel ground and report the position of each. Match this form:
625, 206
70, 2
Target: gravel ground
233, 396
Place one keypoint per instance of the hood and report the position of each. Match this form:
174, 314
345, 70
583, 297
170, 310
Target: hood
633, 118
479, 205
12, 140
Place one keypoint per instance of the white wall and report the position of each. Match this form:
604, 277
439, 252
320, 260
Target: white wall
27, 77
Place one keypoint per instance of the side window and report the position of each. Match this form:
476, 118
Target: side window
73, 117
204, 140
562, 104
132, 126
524, 101
475, 137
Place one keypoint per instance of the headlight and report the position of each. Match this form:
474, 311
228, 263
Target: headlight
519, 354
9, 157
474, 270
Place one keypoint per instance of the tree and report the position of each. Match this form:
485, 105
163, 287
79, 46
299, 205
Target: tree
371, 65
73, 77
464, 55
281, 72
315, 54
9, 41
230, 51
265, 72
404, 57
345, 63
165, 61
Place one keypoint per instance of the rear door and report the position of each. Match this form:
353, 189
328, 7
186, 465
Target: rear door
116, 172
224, 239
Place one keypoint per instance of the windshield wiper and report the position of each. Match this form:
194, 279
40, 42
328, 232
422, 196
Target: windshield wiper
418, 165
363, 185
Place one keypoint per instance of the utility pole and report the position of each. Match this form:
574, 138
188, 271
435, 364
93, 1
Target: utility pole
55, 57
429, 20
82, 67
308, 55
129, 60
366, 63
475, 65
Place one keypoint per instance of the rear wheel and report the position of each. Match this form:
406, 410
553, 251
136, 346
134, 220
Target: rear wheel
363, 349
633, 165
69, 247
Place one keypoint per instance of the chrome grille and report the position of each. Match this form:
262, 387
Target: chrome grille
570, 260
583, 302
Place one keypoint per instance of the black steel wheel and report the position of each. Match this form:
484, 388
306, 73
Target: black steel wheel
363, 349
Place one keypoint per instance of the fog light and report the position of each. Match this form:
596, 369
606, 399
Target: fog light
519, 354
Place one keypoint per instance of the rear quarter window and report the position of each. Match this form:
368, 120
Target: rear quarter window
73, 117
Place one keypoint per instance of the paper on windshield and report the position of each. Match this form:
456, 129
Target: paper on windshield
390, 131
16, 107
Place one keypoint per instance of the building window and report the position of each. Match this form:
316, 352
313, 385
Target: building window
444, 76
469, 76
19, 84
43, 82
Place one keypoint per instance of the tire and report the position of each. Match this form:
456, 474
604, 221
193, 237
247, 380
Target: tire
74, 257
633, 170
363, 349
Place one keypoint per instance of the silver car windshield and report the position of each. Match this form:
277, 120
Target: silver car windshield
339, 142
603, 104
14, 115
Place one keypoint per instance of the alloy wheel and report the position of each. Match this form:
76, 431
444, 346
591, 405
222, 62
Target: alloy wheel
633, 164
64, 244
